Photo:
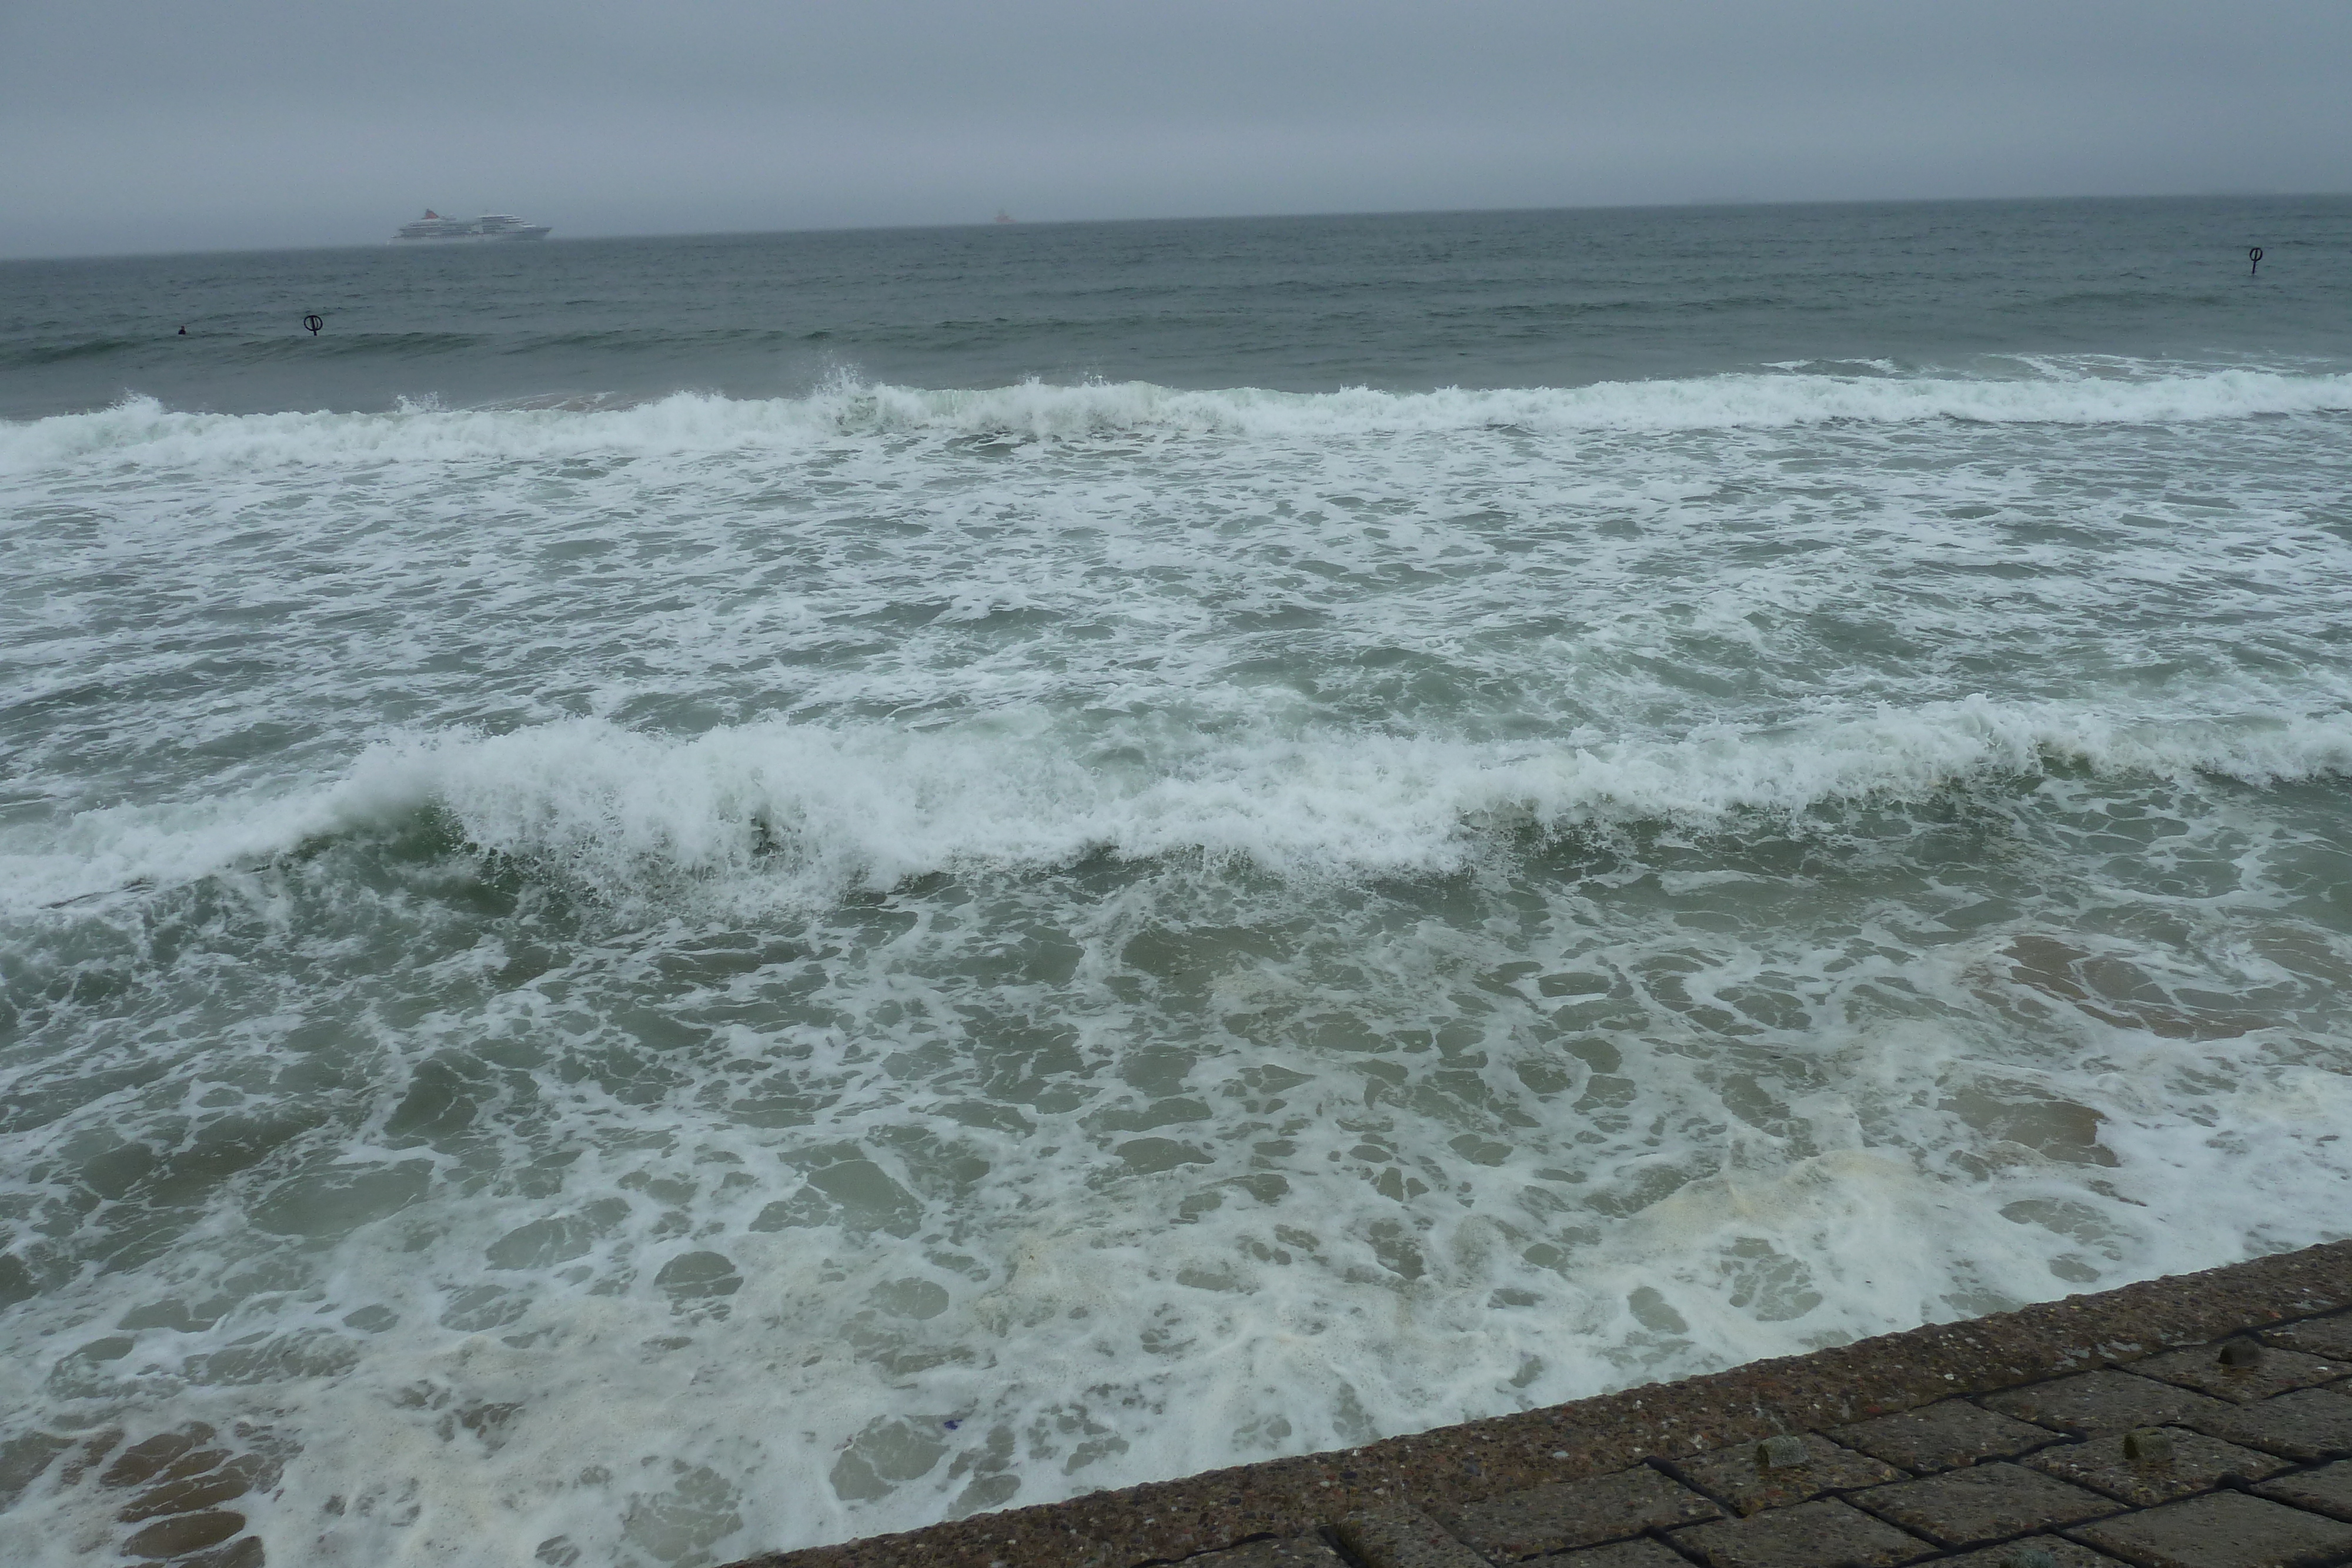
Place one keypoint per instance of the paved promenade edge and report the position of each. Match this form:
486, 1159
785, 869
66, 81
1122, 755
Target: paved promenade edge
1455, 1467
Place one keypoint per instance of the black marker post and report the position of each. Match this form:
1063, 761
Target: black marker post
2254, 255
314, 322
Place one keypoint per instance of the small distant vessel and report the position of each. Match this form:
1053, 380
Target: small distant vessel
1002, 216
489, 226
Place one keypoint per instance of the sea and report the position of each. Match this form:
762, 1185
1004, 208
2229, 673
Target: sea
663, 898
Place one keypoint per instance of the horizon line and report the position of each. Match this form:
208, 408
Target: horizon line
991, 223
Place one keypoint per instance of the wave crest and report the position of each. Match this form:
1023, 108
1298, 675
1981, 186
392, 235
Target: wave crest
141, 431
782, 812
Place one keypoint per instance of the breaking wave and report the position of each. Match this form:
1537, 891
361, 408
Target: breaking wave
778, 811
141, 431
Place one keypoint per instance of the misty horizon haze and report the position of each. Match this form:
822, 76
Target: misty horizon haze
259, 123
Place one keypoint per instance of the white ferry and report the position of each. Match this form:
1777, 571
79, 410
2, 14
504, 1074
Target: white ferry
489, 226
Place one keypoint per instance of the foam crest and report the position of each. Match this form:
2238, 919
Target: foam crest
837, 806
139, 430
798, 812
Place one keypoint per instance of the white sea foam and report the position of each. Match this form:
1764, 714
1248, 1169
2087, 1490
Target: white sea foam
795, 812
1059, 1324
141, 431
1456, 901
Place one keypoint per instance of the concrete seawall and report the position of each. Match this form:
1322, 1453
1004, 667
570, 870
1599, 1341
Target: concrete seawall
2243, 1432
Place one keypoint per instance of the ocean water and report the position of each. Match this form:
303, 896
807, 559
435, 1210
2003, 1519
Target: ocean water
665, 898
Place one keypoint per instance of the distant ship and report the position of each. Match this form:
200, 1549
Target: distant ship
1002, 216
489, 226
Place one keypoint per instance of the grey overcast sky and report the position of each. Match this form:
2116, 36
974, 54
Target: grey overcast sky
130, 125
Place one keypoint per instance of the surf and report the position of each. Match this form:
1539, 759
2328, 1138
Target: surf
789, 814
140, 432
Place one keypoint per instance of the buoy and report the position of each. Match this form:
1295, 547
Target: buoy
2255, 256
314, 323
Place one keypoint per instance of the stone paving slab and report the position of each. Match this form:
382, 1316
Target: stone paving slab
2329, 1336
1943, 1437
1984, 1502
2299, 1302
2327, 1489
2197, 1463
1624, 1554
1744, 1478
2221, 1530
2267, 1372
2101, 1402
1401, 1536
1825, 1534
1298, 1551
1577, 1514
2053, 1552
2313, 1424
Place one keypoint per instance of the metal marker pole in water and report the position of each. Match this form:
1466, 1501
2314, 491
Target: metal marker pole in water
2255, 256
314, 322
